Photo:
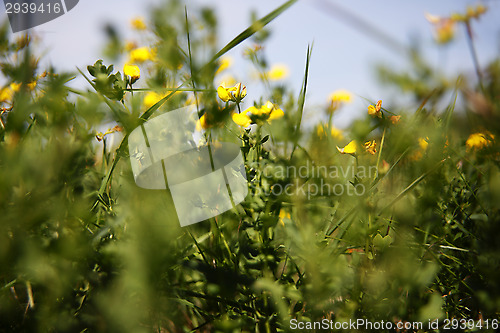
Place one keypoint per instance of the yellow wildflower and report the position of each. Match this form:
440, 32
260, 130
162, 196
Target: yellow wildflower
278, 72
276, 114
225, 63
423, 143
269, 109
349, 149
129, 46
6, 94
138, 23
341, 95
132, 70
266, 112
229, 80
233, 94
394, 119
444, 28
151, 99
479, 140
242, 119
335, 132
201, 123
31, 85
15, 86
375, 110
284, 215
370, 147
140, 55
338, 97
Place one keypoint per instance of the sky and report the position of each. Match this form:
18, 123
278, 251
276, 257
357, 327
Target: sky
344, 56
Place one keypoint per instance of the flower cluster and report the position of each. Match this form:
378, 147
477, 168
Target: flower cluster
479, 140
352, 148
337, 98
233, 94
444, 27
278, 72
137, 56
334, 132
375, 111
253, 115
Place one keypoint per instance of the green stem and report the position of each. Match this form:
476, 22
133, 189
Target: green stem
380, 152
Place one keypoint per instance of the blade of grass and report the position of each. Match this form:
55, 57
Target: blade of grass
256, 26
191, 60
302, 99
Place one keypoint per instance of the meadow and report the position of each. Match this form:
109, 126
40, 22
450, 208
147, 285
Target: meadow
394, 219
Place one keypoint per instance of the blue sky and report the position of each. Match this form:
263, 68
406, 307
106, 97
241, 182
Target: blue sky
343, 57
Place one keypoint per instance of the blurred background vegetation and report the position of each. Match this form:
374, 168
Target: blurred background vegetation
83, 249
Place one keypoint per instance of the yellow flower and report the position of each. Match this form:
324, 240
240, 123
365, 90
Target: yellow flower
370, 147
335, 132
284, 215
132, 70
375, 110
233, 94
479, 140
423, 143
201, 124
140, 55
444, 27
138, 23
278, 72
268, 111
6, 94
31, 85
242, 119
15, 86
223, 93
276, 114
151, 99
225, 63
129, 46
341, 95
267, 108
338, 97
349, 149
394, 119
229, 80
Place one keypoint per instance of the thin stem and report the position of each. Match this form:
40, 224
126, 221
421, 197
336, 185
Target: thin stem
380, 151
472, 49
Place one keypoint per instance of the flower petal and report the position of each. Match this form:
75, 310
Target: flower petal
223, 94
275, 114
349, 149
242, 119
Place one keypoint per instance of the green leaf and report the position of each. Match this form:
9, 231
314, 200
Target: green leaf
256, 26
